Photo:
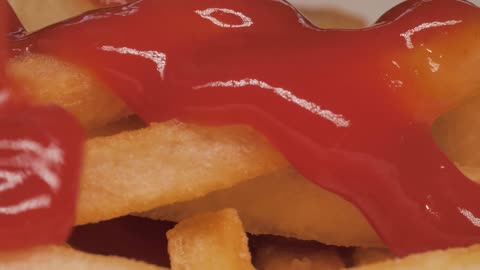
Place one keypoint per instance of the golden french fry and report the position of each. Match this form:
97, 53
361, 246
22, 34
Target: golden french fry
64, 258
36, 14
139, 170
364, 256
284, 204
287, 254
210, 241
452, 259
47, 80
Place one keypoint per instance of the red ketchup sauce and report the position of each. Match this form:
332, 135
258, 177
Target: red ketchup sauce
341, 105
40, 156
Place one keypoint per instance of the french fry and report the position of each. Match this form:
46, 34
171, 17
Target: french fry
35, 14
284, 204
364, 256
210, 241
64, 258
457, 133
288, 254
452, 259
47, 80
136, 171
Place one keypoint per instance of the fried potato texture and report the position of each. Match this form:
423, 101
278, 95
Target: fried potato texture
35, 14
213, 241
64, 258
136, 171
48, 80
452, 259
284, 204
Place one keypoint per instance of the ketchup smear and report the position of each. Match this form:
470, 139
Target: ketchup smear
40, 156
351, 110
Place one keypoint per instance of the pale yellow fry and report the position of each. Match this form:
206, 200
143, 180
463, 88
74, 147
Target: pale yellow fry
213, 241
36, 14
296, 256
64, 258
452, 259
47, 80
139, 170
364, 256
284, 204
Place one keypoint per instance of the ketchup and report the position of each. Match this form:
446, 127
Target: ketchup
40, 156
351, 110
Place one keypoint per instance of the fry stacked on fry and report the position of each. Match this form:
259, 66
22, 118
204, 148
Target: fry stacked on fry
190, 174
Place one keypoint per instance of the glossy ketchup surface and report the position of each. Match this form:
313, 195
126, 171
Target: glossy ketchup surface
351, 110
40, 156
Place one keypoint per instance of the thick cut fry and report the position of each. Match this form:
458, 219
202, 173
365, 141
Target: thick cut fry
36, 14
139, 170
286, 254
284, 204
452, 259
213, 241
364, 256
47, 80
64, 258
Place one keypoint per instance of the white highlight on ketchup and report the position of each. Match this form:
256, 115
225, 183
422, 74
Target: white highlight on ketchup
4, 96
470, 216
434, 66
160, 59
11, 179
42, 201
33, 158
336, 119
408, 35
208, 14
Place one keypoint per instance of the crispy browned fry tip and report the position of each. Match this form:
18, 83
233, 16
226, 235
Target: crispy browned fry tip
64, 258
452, 259
213, 241
286, 204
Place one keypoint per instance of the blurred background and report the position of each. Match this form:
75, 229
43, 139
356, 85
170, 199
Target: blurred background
367, 10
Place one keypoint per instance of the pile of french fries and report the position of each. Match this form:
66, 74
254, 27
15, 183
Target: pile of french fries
217, 182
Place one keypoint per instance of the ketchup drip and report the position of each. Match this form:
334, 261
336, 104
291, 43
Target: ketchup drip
40, 156
14, 27
351, 110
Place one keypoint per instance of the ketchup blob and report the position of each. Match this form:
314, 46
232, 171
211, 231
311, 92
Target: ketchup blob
351, 109
40, 156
